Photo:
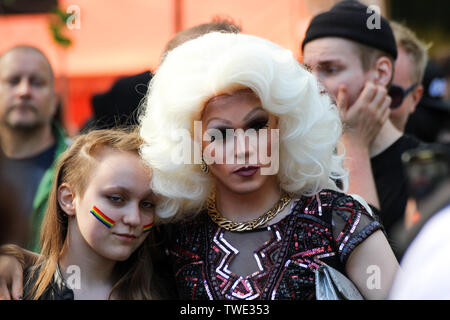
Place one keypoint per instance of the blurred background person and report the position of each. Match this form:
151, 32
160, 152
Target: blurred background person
445, 63
30, 137
118, 106
431, 120
425, 238
12, 228
406, 89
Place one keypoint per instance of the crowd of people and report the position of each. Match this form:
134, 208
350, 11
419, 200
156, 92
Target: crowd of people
233, 171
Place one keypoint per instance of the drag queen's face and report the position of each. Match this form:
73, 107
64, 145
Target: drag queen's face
241, 112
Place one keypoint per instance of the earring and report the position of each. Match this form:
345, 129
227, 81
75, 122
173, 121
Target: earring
204, 167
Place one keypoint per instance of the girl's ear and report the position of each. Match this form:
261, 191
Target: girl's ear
66, 199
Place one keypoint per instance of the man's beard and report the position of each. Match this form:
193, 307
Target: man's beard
22, 127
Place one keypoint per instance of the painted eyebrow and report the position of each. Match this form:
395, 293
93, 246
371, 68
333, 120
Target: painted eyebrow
217, 118
247, 116
252, 112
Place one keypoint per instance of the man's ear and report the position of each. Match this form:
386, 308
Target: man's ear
66, 199
383, 71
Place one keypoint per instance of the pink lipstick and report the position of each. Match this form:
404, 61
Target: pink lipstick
246, 171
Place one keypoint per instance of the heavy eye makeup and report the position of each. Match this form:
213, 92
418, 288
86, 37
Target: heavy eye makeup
257, 123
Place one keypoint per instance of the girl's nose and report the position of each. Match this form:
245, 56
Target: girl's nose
132, 216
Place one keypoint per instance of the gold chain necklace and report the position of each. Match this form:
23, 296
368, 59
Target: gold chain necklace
249, 225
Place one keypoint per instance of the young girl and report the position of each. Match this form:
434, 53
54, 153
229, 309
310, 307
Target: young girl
95, 235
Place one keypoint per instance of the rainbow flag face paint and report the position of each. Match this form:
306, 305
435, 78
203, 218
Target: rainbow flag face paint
147, 227
103, 218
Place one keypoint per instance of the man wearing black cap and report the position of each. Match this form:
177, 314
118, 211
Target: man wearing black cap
354, 60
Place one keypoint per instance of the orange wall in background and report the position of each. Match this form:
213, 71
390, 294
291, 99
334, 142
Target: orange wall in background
125, 37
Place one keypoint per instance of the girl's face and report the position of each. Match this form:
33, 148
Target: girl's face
240, 171
119, 186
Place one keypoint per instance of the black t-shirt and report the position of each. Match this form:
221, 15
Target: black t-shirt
24, 176
391, 183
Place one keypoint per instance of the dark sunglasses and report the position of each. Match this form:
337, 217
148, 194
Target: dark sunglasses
397, 94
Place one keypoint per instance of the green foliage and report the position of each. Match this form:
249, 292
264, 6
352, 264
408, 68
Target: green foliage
57, 24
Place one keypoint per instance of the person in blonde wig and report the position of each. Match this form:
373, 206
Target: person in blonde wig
238, 233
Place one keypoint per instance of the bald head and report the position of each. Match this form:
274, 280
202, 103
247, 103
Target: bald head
31, 50
217, 25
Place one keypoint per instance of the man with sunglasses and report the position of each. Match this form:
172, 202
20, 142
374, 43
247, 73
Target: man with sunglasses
354, 58
406, 89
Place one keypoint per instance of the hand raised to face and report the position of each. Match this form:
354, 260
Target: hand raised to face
364, 119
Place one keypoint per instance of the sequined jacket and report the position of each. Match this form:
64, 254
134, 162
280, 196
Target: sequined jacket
325, 228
